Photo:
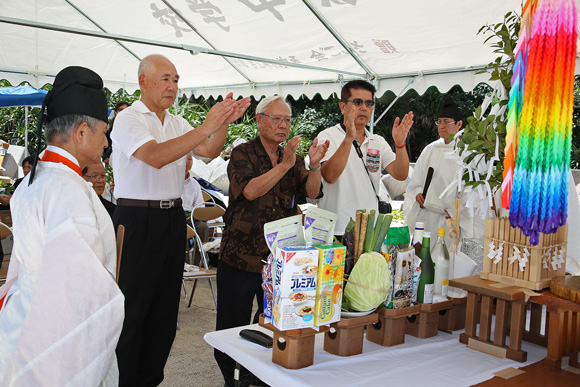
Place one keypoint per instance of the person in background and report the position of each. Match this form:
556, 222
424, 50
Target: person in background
96, 175
356, 157
265, 179
63, 311
26, 168
119, 107
149, 148
191, 197
432, 210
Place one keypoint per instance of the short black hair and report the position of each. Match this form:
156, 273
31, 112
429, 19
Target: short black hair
357, 84
121, 103
29, 160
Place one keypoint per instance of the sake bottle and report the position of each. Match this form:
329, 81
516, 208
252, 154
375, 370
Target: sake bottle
418, 237
440, 256
425, 289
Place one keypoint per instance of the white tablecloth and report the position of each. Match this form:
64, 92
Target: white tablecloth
437, 361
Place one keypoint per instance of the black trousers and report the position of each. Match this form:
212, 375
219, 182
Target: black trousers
150, 279
236, 290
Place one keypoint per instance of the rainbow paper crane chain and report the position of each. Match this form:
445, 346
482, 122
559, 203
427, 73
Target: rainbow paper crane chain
539, 126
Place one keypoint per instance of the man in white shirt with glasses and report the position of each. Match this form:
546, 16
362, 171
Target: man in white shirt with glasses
356, 158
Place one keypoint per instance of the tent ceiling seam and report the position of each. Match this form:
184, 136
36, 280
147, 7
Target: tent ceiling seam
186, 21
370, 74
193, 49
101, 28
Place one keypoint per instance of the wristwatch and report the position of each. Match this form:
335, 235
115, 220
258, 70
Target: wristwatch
314, 169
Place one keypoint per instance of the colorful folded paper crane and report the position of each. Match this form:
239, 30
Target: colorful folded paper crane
539, 125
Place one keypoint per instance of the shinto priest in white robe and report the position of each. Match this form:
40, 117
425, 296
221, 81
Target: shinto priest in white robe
434, 212
63, 312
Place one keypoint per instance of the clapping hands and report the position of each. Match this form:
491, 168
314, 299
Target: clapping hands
226, 112
317, 152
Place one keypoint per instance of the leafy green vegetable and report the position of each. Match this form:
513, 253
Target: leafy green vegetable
370, 228
382, 232
369, 282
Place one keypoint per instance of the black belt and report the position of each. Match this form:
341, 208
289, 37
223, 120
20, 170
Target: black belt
162, 204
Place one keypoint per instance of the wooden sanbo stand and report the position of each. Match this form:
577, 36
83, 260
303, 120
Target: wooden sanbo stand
507, 297
426, 323
390, 329
346, 336
294, 348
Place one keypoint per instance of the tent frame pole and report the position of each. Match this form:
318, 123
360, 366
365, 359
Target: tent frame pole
370, 74
374, 122
194, 50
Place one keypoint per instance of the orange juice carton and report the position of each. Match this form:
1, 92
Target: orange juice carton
330, 276
296, 268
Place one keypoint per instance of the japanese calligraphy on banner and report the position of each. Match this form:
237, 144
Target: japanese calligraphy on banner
212, 14
208, 12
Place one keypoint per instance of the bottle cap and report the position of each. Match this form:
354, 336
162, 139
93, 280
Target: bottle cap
427, 234
419, 226
441, 232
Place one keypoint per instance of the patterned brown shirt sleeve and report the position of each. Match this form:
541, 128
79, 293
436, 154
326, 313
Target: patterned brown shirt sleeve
243, 245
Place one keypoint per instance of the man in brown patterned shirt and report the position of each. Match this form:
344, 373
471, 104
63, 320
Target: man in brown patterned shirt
265, 181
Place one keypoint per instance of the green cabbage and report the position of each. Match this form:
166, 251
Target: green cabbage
372, 273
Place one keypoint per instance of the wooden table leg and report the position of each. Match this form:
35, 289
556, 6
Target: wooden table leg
485, 318
500, 323
516, 331
575, 340
554, 359
470, 320
565, 335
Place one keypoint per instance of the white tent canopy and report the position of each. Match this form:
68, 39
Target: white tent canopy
212, 42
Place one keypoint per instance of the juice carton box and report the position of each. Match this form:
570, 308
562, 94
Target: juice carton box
294, 287
330, 276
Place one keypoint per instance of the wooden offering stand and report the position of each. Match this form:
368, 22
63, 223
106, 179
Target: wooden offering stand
563, 321
389, 330
426, 323
510, 308
294, 348
345, 337
453, 319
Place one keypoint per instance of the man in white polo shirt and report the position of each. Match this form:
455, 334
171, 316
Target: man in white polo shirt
356, 157
149, 148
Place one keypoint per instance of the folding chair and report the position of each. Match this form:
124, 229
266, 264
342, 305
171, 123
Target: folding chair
203, 272
206, 212
206, 196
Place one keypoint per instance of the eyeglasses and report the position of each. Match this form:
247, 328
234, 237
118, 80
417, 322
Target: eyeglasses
360, 101
278, 119
96, 177
443, 123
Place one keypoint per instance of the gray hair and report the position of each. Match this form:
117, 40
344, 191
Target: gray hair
61, 127
264, 103
147, 64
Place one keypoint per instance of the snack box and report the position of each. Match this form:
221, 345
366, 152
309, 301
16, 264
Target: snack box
330, 276
294, 287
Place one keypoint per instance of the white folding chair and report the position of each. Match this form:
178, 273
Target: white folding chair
206, 196
204, 270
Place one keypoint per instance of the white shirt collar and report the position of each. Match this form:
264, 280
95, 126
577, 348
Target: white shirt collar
141, 107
